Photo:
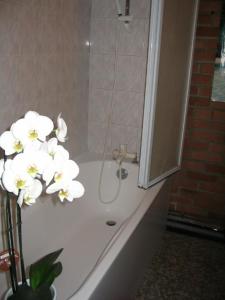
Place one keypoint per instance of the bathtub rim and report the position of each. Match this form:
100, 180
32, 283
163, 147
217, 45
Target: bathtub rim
120, 239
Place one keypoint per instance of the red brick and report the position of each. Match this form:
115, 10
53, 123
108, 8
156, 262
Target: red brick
204, 114
203, 31
216, 169
172, 206
201, 43
210, 7
219, 199
204, 200
204, 20
217, 148
207, 68
218, 105
219, 126
215, 157
204, 91
201, 176
193, 90
195, 145
204, 55
182, 201
209, 136
174, 188
196, 68
219, 115
215, 187
197, 101
191, 210
193, 165
198, 190
209, 20
195, 123
204, 156
201, 79
184, 182
205, 124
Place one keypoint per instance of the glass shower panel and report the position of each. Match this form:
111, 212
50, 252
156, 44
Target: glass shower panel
167, 109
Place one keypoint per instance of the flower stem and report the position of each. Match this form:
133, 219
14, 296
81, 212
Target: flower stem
10, 254
19, 224
11, 242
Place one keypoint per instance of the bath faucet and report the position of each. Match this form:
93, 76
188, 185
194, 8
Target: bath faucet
120, 154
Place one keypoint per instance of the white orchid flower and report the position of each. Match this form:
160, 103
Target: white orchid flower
68, 170
61, 131
68, 190
54, 150
10, 144
32, 128
58, 155
14, 178
30, 194
62, 171
32, 162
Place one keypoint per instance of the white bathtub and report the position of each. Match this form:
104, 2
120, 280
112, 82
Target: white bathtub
99, 261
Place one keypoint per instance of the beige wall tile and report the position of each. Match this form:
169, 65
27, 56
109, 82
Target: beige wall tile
96, 137
44, 63
103, 36
121, 73
130, 73
104, 9
102, 71
134, 39
124, 135
100, 102
125, 108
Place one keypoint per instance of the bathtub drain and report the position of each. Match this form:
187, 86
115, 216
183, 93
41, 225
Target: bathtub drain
111, 223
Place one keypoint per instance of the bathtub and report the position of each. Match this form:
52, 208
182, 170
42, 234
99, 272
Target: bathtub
105, 245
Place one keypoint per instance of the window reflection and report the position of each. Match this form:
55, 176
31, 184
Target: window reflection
218, 89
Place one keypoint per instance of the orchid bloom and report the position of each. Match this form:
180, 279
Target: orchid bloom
54, 150
14, 178
10, 144
32, 162
32, 128
30, 193
64, 184
67, 190
65, 170
36, 158
61, 131
58, 155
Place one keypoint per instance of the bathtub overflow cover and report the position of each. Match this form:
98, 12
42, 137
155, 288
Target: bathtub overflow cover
111, 223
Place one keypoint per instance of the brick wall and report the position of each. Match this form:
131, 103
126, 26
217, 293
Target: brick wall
198, 190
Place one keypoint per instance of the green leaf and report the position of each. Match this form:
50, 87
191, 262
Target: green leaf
44, 270
54, 272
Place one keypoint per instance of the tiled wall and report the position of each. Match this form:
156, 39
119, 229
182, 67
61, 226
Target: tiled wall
44, 66
117, 75
44, 62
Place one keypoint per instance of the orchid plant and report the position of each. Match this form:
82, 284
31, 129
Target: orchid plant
35, 160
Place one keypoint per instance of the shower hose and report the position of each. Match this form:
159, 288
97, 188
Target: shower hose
114, 198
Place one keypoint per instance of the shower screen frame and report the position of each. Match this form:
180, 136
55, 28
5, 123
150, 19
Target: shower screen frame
147, 143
